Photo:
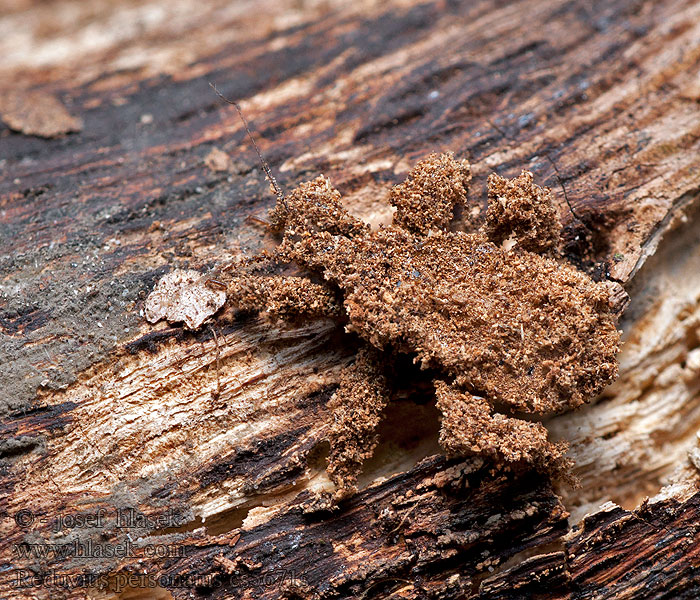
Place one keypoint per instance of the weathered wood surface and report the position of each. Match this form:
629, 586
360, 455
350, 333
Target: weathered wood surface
100, 410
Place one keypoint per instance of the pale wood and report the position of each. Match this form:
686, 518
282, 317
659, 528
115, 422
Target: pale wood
101, 409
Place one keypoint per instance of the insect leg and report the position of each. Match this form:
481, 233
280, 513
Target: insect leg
357, 410
283, 296
469, 427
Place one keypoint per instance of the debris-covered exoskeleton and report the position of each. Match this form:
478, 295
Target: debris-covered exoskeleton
505, 326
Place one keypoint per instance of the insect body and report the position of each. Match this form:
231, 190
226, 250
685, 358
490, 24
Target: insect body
501, 323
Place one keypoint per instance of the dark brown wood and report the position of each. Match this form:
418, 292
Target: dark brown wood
101, 410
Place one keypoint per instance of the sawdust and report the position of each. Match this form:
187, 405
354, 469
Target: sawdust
438, 182
522, 329
522, 213
283, 296
468, 427
357, 410
314, 207
508, 326
36, 113
503, 325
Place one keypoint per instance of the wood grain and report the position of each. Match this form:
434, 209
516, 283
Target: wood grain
102, 411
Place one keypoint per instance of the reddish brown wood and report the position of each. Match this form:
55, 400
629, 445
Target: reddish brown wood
100, 409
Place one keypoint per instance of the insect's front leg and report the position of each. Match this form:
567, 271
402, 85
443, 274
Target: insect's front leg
283, 296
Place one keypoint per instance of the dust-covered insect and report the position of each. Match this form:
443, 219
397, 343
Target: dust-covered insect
506, 328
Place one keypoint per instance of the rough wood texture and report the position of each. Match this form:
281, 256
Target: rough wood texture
101, 410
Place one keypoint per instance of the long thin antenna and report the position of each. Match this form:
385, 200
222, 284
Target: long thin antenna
263, 162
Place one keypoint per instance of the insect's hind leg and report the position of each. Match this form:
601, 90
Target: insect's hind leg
357, 410
469, 427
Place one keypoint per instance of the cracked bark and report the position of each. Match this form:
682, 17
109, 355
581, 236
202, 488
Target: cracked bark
101, 410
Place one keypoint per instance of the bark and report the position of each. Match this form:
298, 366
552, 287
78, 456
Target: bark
217, 438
